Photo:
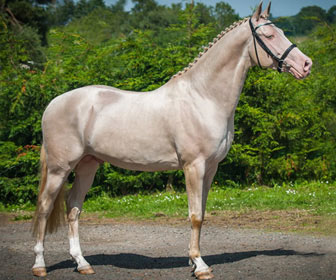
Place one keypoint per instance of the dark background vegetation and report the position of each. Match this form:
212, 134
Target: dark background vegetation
285, 129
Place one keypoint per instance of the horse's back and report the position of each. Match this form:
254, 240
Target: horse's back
76, 104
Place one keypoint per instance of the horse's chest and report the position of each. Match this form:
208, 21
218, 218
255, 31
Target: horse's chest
223, 148
224, 143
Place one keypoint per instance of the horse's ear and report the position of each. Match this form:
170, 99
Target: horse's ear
265, 14
257, 13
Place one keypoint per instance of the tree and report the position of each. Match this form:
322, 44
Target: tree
331, 15
148, 15
84, 7
119, 6
308, 18
224, 15
27, 12
203, 13
61, 14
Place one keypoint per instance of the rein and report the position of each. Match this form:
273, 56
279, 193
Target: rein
256, 37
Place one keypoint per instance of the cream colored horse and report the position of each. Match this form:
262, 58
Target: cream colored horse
185, 124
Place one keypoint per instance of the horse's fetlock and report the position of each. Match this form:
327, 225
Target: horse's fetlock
194, 253
38, 248
75, 253
200, 265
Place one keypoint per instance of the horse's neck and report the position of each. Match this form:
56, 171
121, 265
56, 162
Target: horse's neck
220, 73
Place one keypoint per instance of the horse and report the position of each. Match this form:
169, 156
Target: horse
186, 124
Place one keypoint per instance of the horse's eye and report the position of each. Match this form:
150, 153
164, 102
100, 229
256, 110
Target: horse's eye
269, 36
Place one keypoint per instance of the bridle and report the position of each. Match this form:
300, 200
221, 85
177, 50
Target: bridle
256, 37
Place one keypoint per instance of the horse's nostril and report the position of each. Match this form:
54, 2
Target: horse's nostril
307, 65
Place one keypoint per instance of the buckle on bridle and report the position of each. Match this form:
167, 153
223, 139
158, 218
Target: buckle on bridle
280, 65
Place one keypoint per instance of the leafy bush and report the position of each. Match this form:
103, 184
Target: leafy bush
284, 129
19, 168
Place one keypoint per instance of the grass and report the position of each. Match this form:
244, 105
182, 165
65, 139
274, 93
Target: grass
140, 206
317, 198
307, 207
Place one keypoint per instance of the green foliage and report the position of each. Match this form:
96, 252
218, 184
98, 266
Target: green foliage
285, 129
115, 181
17, 82
19, 167
106, 21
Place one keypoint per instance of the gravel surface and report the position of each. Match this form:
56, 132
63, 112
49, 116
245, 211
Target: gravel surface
142, 250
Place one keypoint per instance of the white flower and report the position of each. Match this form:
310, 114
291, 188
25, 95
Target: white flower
291, 191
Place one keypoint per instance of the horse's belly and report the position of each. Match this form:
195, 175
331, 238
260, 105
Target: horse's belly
140, 160
134, 152
141, 165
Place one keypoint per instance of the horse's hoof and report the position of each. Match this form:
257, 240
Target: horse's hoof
39, 271
202, 275
86, 270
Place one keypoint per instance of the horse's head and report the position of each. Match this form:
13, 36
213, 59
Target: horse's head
270, 47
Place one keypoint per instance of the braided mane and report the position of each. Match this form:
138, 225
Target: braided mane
214, 41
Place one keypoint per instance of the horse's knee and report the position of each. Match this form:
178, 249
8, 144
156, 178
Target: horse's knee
38, 248
196, 221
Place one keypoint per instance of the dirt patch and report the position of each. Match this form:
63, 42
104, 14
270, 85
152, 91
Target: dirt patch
280, 220
285, 221
158, 250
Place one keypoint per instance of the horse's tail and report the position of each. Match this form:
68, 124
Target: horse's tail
56, 217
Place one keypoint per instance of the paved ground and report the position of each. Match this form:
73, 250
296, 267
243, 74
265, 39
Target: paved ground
158, 251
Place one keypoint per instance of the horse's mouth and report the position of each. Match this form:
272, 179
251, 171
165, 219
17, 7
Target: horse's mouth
299, 75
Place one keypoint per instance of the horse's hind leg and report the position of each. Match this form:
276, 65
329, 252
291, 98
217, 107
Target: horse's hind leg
84, 172
50, 189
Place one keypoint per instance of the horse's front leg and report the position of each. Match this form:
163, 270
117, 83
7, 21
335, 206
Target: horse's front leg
198, 181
